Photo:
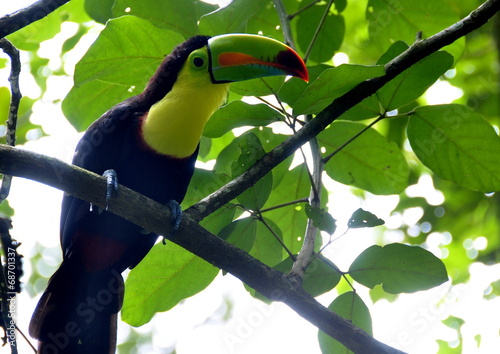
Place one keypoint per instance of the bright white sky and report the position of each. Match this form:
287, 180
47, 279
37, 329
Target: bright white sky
197, 326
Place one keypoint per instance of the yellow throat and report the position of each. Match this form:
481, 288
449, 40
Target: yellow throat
174, 124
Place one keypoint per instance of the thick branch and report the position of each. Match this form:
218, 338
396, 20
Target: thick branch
414, 54
152, 216
19, 19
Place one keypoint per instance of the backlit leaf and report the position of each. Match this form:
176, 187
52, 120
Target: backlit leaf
350, 306
399, 268
458, 145
166, 276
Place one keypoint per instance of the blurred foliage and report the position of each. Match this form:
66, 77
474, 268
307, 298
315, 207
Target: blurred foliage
453, 148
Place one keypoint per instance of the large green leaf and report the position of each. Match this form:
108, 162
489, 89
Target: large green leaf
177, 15
237, 114
329, 38
350, 306
320, 276
115, 67
166, 276
251, 150
293, 88
230, 19
240, 233
370, 162
390, 21
458, 145
258, 87
292, 219
413, 82
99, 10
202, 184
333, 83
266, 247
399, 268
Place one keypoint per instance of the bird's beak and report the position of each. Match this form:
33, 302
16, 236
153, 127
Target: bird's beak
237, 57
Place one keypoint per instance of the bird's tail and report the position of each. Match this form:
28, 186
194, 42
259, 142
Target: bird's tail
78, 311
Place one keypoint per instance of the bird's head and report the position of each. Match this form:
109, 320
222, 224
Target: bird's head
192, 82
224, 59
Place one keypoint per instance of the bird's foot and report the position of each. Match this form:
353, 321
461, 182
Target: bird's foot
111, 185
176, 217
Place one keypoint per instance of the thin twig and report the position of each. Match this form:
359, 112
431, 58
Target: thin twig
15, 70
351, 139
293, 202
291, 16
259, 217
285, 23
318, 29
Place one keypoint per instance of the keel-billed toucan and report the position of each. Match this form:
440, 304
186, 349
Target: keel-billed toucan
151, 142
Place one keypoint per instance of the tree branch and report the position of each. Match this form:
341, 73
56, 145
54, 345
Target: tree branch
151, 215
22, 18
15, 99
414, 54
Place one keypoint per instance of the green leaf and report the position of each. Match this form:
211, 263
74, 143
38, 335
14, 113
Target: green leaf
241, 233
230, 19
251, 150
291, 219
258, 87
363, 218
329, 38
458, 145
266, 247
391, 21
321, 219
167, 275
293, 88
399, 268
176, 15
238, 114
202, 184
71, 42
368, 108
370, 162
266, 21
351, 307
219, 219
99, 10
115, 68
320, 276
331, 84
413, 82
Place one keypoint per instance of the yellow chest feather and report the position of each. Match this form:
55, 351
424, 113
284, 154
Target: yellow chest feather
174, 125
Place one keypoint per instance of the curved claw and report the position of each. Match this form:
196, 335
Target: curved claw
176, 216
111, 185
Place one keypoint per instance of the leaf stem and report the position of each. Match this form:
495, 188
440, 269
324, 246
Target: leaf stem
318, 29
350, 140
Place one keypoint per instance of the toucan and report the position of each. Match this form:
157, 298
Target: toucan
148, 143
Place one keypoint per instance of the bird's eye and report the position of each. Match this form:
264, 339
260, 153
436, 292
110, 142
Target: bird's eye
198, 62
